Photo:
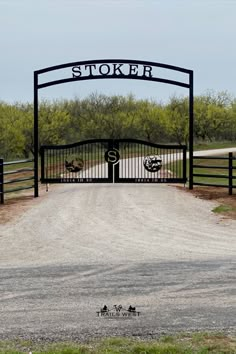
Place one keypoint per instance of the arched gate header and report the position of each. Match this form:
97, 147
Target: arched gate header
111, 69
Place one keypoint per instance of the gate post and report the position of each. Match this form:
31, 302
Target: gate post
36, 136
1, 182
191, 124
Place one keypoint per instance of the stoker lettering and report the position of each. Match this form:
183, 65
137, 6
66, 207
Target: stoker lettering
116, 69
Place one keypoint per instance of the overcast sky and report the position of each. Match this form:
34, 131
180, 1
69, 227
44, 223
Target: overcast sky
195, 34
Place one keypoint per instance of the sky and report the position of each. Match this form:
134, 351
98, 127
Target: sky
195, 34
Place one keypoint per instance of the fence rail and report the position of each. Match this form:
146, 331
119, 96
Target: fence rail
4, 182
229, 176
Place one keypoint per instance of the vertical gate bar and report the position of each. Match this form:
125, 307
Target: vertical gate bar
184, 164
176, 164
191, 125
102, 158
116, 168
105, 167
172, 161
128, 160
87, 157
91, 159
59, 164
95, 160
99, 167
80, 152
230, 173
63, 159
132, 161
167, 157
82, 156
56, 171
90, 162
42, 164
52, 163
97, 164
179, 164
92, 155
142, 166
110, 166
47, 153
56, 163
55, 157
36, 143
48, 163
146, 152
1, 181
143, 154
139, 169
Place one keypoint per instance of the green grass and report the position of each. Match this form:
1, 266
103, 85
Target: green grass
196, 343
224, 209
213, 145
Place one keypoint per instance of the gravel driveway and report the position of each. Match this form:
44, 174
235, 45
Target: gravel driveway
153, 247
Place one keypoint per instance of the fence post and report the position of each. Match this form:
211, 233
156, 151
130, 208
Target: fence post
1, 182
230, 173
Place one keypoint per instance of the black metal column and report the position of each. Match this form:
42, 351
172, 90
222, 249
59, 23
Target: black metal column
191, 125
36, 133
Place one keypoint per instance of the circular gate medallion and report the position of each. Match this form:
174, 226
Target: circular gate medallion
112, 156
152, 163
74, 165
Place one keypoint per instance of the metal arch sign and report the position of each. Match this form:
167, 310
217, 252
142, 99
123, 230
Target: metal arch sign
109, 69
112, 69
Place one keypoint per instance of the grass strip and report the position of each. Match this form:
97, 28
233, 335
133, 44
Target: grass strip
195, 343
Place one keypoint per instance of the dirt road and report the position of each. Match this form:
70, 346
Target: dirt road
149, 246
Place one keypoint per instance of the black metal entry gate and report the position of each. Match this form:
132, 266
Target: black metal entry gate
109, 161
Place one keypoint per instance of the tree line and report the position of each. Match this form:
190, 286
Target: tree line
100, 116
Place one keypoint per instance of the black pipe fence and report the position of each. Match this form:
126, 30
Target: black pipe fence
5, 181
229, 177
